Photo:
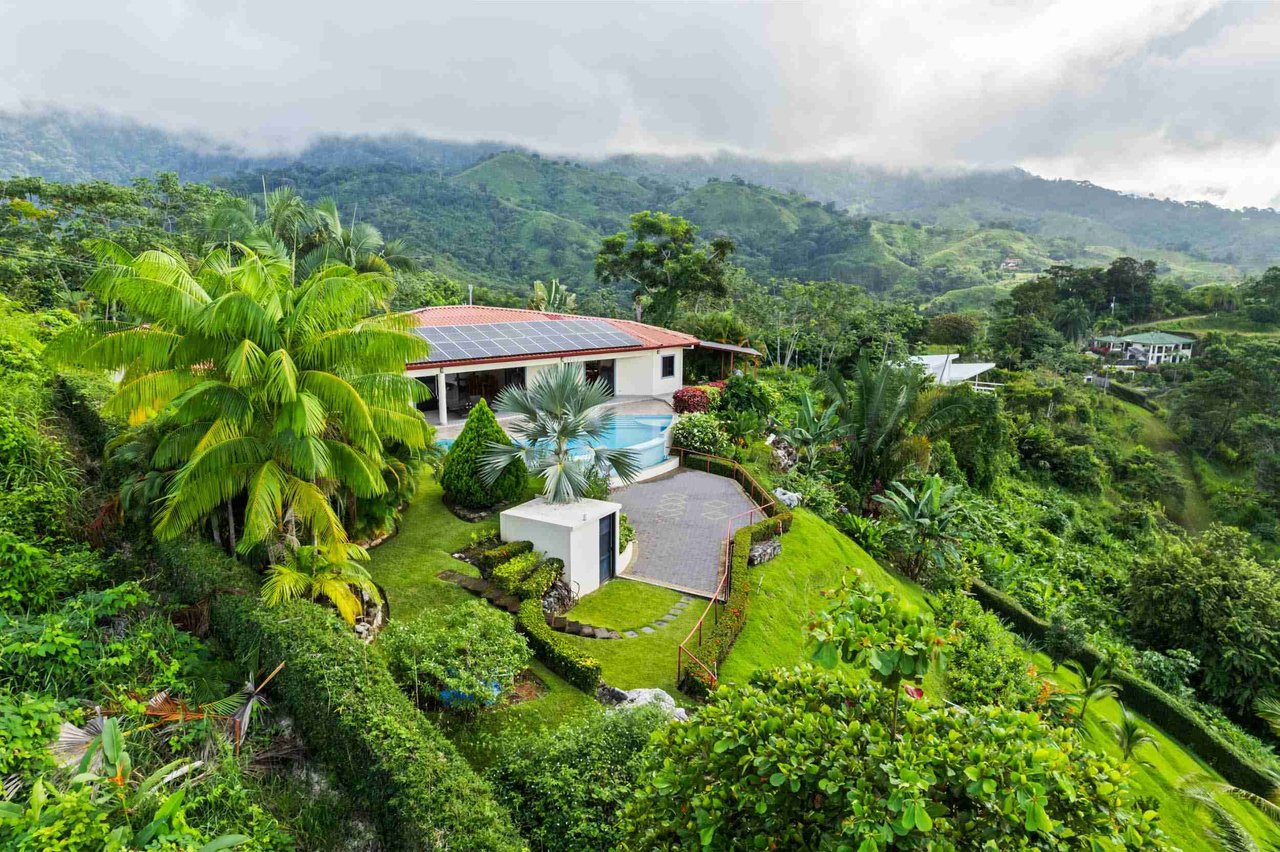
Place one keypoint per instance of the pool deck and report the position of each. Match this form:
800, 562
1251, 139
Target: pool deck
630, 405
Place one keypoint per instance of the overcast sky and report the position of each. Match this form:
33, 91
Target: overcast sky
1174, 98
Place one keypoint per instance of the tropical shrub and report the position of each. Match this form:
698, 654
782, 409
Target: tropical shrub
1170, 671
566, 788
867, 532
626, 532
986, 666
510, 574
464, 658
28, 724
307, 573
743, 392
700, 433
986, 778
691, 400
504, 552
815, 490
926, 527
460, 476
555, 650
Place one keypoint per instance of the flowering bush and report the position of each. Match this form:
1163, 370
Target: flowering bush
700, 433
691, 400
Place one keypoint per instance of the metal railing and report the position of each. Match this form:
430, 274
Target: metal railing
764, 503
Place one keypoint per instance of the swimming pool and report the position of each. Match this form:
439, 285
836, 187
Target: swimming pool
646, 434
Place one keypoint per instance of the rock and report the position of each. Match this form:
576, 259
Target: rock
610, 696
790, 499
784, 456
558, 599
644, 697
764, 551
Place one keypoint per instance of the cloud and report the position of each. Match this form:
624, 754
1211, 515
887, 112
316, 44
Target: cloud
1177, 98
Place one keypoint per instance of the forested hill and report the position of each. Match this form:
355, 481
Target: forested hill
494, 216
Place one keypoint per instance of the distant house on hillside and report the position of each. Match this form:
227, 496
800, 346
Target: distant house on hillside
1011, 264
1149, 348
947, 371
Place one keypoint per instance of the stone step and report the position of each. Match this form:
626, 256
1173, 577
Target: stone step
493, 593
557, 622
508, 602
571, 626
472, 584
602, 633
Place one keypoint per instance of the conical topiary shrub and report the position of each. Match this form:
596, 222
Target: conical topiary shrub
461, 475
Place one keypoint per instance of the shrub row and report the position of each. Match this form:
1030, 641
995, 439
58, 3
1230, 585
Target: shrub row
555, 650
1152, 702
491, 559
421, 793
718, 641
537, 583
511, 574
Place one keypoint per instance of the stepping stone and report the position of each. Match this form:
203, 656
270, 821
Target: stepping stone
686, 599
679, 606
571, 627
646, 629
613, 634
630, 634
558, 622
603, 633
661, 622
509, 603
475, 584
673, 615
587, 630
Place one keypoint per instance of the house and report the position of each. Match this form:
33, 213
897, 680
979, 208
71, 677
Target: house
476, 351
946, 371
1011, 264
1149, 348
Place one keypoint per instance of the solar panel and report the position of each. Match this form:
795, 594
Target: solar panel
496, 340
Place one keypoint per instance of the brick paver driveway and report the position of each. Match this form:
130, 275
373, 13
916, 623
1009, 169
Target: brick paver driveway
680, 521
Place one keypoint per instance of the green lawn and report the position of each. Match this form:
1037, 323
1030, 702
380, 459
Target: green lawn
624, 605
649, 660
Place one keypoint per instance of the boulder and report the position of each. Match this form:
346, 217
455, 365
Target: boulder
764, 551
784, 456
790, 499
630, 698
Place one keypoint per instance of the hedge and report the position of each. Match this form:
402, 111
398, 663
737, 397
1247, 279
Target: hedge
420, 792
491, 559
1129, 394
511, 574
556, 650
718, 641
537, 583
1147, 699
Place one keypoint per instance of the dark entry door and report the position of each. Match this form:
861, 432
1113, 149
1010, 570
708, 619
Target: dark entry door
607, 547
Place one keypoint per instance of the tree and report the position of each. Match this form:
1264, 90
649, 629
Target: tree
662, 259
279, 394
360, 247
1130, 735
803, 759
562, 427
1071, 319
1095, 684
887, 417
928, 519
462, 475
553, 297
955, 330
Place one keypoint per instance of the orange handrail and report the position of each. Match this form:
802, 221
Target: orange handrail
725, 583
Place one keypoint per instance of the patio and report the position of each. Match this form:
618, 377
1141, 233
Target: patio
681, 521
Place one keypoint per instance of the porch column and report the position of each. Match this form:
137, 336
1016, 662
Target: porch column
440, 401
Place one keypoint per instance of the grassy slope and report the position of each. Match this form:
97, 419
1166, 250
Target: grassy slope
624, 605
816, 555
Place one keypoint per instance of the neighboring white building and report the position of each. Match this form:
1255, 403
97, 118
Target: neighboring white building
946, 370
584, 535
1150, 348
476, 351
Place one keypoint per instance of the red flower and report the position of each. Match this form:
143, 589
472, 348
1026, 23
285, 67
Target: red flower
915, 693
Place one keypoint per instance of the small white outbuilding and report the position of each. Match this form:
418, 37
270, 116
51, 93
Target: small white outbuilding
583, 534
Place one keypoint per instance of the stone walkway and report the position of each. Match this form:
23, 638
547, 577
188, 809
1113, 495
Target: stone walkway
681, 521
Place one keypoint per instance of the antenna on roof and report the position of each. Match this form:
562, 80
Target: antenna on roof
470, 288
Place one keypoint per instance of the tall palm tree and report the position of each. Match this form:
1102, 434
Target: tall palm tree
280, 394
1130, 735
888, 416
361, 246
1072, 319
563, 423
553, 297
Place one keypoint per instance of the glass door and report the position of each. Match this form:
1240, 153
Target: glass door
607, 547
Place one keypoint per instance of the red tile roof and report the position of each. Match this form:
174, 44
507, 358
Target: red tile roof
651, 336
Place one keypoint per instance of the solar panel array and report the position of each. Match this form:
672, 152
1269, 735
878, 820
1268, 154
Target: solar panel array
506, 339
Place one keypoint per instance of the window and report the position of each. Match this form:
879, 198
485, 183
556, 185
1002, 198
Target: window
668, 366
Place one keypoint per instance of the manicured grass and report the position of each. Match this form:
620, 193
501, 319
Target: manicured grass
406, 565
624, 605
649, 660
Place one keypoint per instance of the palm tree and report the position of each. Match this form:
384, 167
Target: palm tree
812, 432
360, 247
307, 573
563, 422
1072, 319
553, 297
279, 394
1095, 684
887, 417
1130, 735
928, 517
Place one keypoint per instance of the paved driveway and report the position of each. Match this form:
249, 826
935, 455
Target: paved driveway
680, 521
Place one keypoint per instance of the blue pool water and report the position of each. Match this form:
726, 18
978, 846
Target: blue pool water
643, 433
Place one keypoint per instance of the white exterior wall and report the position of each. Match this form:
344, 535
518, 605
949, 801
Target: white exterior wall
570, 532
633, 375
661, 386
